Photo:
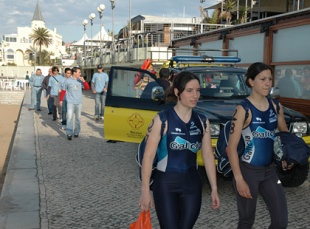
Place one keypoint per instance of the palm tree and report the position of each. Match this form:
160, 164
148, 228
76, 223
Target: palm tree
41, 36
243, 16
46, 58
230, 6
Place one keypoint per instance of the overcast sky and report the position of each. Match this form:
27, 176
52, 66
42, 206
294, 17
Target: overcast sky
67, 15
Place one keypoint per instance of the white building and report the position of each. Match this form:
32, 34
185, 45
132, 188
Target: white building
15, 48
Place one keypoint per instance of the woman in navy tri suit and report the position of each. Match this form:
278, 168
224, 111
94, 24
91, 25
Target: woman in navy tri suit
177, 186
255, 172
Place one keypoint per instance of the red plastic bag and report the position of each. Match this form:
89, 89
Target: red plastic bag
143, 221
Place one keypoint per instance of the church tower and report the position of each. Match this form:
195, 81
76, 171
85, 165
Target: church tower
37, 19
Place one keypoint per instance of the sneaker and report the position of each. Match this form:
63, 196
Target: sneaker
63, 127
39, 110
69, 137
101, 117
76, 135
30, 109
49, 113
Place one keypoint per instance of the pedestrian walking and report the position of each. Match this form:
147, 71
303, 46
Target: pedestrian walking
64, 101
36, 89
45, 87
54, 87
27, 78
99, 84
255, 172
177, 188
72, 89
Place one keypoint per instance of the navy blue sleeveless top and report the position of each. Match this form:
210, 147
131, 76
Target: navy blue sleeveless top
177, 149
259, 136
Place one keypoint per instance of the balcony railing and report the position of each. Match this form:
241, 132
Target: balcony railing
124, 56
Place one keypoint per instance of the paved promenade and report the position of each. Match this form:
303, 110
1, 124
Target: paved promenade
54, 183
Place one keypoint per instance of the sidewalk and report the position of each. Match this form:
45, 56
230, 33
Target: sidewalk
19, 202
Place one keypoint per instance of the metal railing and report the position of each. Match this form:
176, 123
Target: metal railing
156, 54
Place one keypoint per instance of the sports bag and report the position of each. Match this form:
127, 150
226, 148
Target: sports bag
141, 148
223, 165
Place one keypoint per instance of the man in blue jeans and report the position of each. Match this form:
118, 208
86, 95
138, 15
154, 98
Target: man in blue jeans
64, 103
72, 89
99, 86
36, 89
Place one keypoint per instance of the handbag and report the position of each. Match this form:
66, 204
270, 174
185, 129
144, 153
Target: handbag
143, 221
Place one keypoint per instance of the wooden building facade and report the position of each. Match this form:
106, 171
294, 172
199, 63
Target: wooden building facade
281, 41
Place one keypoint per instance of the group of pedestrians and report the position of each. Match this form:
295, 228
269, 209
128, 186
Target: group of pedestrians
176, 185
63, 94
177, 190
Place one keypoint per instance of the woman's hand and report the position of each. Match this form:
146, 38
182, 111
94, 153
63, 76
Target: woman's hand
146, 201
243, 189
286, 166
215, 200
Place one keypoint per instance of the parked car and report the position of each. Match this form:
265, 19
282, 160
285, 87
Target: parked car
130, 108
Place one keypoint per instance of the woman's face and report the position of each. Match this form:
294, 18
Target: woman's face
262, 83
190, 96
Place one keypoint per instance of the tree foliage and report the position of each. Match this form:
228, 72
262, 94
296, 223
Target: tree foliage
228, 14
41, 37
229, 7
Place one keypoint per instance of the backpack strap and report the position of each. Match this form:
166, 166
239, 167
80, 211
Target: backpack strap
202, 118
245, 105
163, 119
274, 101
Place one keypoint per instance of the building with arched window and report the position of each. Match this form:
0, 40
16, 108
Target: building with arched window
16, 48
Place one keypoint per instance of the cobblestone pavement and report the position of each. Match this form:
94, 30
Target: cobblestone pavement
90, 183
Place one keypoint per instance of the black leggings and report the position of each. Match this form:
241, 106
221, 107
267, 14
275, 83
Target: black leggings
265, 181
177, 199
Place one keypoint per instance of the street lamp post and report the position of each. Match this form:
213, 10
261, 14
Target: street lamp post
100, 10
84, 23
129, 32
91, 17
112, 7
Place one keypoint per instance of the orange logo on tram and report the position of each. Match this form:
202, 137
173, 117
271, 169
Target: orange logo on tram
135, 121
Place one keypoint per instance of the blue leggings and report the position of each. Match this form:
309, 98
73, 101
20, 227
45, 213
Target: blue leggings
263, 180
177, 198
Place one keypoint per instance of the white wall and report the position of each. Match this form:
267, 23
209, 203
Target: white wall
291, 44
250, 48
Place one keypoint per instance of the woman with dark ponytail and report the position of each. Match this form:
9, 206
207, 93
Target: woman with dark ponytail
255, 172
177, 186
